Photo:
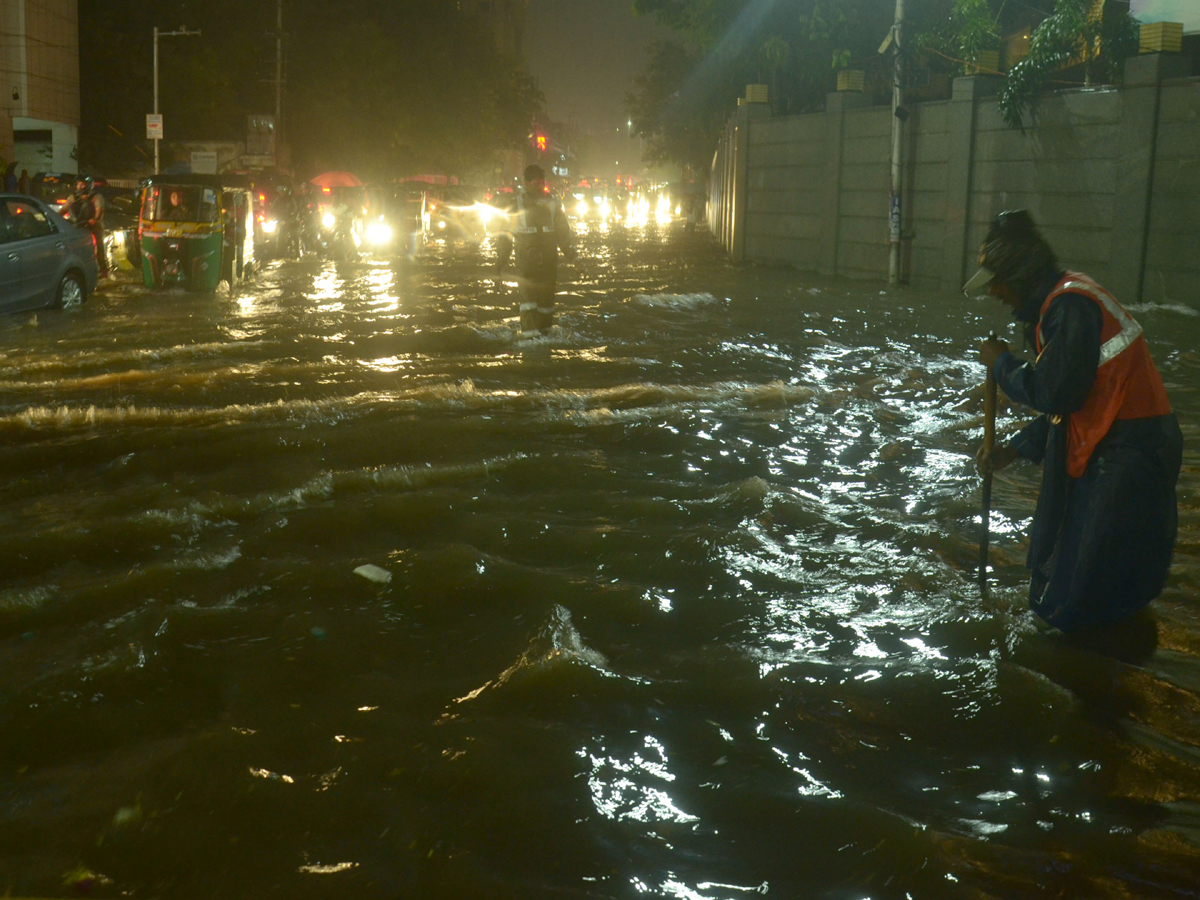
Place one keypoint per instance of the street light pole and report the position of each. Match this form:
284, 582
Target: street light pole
183, 31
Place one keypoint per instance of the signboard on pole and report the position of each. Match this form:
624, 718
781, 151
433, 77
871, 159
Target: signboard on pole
154, 126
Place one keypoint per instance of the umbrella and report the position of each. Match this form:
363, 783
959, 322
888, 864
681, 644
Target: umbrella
337, 179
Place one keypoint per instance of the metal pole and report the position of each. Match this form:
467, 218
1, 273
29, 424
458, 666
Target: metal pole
895, 210
989, 441
278, 79
156, 95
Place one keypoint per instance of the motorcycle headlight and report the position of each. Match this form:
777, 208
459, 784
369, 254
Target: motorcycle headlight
269, 226
328, 220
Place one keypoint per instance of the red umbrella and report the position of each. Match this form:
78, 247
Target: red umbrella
337, 179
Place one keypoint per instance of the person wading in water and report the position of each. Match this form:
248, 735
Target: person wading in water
1104, 531
537, 229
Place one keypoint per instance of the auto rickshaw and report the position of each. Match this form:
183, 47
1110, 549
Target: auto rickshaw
196, 231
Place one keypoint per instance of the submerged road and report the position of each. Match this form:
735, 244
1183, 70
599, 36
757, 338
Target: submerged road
678, 601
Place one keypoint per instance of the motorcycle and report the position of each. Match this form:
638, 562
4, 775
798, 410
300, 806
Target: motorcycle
339, 239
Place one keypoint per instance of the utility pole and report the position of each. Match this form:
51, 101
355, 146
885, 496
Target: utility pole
278, 80
899, 114
182, 32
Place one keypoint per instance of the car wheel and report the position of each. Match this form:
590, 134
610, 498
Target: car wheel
70, 291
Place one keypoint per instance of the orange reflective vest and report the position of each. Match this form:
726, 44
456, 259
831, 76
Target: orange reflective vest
1127, 384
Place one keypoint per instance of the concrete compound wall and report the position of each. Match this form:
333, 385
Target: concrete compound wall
1111, 175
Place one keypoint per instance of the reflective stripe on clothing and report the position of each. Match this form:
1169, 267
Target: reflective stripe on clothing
1126, 386
525, 227
1130, 329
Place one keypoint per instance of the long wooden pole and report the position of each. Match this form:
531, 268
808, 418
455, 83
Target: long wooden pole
989, 440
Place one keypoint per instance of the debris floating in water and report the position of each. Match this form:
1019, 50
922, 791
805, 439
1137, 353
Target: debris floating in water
374, 573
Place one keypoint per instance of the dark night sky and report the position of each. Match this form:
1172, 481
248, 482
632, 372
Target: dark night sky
584, 53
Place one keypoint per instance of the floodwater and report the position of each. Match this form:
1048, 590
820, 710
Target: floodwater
682, 598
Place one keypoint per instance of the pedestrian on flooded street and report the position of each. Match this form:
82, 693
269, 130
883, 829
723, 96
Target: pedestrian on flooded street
1110, 447
537, 229
87, 211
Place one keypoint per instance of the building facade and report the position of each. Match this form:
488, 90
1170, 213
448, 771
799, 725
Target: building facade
39, 84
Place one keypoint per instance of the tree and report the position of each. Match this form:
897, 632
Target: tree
794, 46
1095, 34
679, 122
381, 89
405, 89
971, 28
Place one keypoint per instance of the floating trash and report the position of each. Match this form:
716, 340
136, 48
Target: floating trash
374, 573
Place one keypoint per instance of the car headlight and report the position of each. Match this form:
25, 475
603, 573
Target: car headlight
269, 226
379, 233
582, 207
328, 220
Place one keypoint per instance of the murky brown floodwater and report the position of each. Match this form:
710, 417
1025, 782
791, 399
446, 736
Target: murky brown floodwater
682, 600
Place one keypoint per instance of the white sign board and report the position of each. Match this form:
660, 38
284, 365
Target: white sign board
204, 162
1185, 11
154, 127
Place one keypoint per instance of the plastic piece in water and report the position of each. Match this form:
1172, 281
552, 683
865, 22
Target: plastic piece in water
374, 573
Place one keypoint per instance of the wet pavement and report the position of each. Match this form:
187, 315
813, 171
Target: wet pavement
677, 601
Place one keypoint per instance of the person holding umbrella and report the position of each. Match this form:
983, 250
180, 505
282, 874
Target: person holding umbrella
1104, 531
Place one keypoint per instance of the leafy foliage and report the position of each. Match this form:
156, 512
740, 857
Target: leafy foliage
1075, 34
794, 46
971, 28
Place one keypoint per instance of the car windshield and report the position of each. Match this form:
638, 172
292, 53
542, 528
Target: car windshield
180, 203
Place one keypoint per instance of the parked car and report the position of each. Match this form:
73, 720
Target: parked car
44, 259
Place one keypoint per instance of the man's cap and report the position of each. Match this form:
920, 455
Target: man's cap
1012, 250
535, 173
981, 279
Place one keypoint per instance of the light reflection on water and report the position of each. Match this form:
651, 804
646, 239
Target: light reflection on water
698, 568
